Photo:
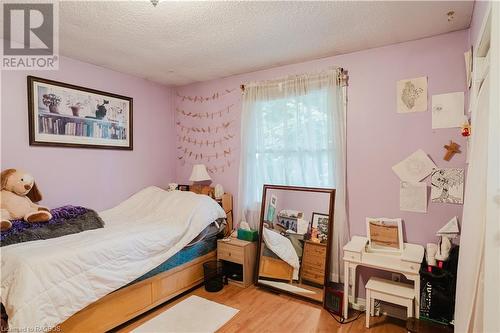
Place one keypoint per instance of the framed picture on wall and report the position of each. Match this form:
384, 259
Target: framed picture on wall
384, 235
61, 114
319, 227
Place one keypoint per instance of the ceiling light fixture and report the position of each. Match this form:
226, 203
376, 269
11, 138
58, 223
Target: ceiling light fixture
451, 15
154, 2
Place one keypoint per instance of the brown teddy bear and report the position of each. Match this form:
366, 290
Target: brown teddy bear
19, 192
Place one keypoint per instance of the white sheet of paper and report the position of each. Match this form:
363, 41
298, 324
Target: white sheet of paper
448, 110
413, 197
447, 186
415, 167
412, 95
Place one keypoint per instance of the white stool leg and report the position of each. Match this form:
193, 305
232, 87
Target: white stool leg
368, 307
372, 307
410, 309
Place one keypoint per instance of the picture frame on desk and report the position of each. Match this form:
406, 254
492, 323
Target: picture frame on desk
384, 235
183, 187
66, 115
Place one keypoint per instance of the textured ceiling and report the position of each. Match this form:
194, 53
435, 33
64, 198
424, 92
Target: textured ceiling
177, 43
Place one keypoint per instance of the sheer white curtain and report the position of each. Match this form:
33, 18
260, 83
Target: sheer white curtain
293, 133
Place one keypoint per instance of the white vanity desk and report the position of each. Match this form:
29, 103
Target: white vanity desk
406, 263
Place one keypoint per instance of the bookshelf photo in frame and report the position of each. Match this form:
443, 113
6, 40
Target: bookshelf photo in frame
66, 115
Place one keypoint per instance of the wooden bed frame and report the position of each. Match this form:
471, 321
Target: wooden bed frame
127, 303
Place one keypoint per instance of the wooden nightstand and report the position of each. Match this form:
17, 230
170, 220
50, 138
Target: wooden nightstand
242, 253
313, 262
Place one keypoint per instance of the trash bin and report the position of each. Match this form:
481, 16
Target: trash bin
213, 276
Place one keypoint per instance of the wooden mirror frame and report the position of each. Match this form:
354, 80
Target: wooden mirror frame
329, 191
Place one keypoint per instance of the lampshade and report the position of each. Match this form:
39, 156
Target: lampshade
199, 173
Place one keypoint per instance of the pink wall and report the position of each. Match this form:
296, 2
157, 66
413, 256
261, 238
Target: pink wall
377, 137
94, 178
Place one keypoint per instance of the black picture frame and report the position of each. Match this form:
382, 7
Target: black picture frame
66, 115
183, 187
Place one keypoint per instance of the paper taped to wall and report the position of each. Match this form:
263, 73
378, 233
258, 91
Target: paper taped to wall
413, 197
412, 95
415, 167
448, 110
447, 186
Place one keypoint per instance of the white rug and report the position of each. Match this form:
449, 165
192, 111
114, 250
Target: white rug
194, 314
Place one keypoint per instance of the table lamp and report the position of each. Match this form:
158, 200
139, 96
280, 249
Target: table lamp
200, 178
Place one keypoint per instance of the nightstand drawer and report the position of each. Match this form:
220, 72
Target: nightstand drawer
230, 253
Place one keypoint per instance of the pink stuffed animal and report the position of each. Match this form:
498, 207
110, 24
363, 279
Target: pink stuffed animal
19, 192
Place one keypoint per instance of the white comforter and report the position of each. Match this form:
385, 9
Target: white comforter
283, 248
45, 282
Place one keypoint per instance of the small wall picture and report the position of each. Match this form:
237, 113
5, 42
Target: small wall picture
271, 208
66, 115
412, 95
384, 235
319, 227
447, 186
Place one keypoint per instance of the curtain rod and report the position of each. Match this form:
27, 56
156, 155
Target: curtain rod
342, 78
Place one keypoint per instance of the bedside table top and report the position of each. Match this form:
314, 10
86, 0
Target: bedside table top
235, 242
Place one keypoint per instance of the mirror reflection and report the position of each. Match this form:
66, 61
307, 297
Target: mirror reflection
293, 240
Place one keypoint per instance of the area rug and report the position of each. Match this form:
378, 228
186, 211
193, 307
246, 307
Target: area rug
194, 314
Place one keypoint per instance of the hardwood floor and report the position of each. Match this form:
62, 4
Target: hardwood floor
263, 311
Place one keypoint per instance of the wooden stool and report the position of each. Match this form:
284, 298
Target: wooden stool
388, 291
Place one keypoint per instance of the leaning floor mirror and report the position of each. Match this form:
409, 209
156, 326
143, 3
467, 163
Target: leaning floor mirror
296, 226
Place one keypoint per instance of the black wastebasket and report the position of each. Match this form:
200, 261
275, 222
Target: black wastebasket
214, 276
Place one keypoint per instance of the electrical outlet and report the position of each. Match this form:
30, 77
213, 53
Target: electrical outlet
396, 277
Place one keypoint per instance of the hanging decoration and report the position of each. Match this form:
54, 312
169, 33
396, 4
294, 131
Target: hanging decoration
201, 99
206, 143
198, 156
207, 115
208, 129
220, 168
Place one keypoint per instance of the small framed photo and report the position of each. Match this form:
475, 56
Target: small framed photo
65, 115
319, 227
271, 208
183, 187
384, 235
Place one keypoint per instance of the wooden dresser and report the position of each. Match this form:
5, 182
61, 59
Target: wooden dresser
313, 263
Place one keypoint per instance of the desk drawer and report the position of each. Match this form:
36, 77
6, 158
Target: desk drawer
230, 253
410, 266
350, 255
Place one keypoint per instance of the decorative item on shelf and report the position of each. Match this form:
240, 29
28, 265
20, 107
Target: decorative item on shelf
172, 186
219, 191
201, 99
451, 149
200, 115
466, 129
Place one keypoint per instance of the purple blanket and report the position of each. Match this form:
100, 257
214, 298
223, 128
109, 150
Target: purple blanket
65, 220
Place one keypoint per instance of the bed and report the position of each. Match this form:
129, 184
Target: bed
107, 276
